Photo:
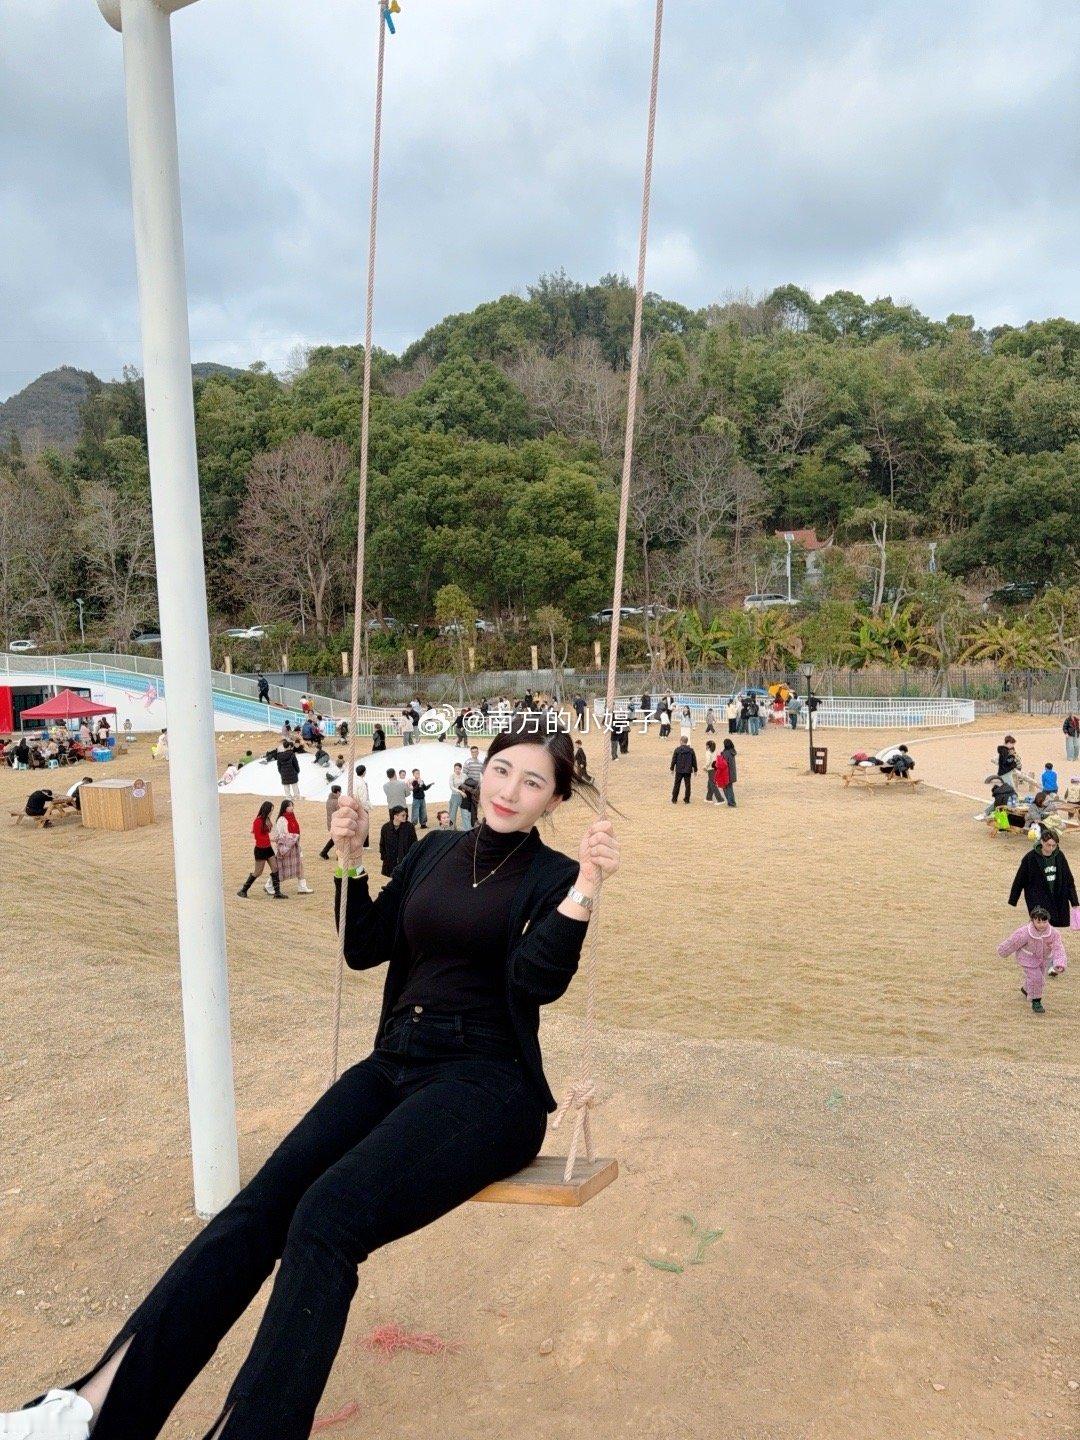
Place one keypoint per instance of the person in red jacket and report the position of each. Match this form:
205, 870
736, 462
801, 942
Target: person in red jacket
264, 852
719, 776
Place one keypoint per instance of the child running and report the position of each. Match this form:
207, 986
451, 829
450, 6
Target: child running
1039, 952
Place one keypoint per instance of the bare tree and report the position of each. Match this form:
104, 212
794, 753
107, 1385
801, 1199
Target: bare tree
117, 535
44, 537
293, 534
555, 623
12, 580
794, 420
400, 383
881, 519
749, 503
576, 392
713, 494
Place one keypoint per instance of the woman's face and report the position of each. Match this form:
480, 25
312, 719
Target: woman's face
517, 788
1048, 846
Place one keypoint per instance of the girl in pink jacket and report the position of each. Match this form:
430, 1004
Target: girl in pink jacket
1038, 948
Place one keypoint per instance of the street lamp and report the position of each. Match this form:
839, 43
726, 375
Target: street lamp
808, 673
82, 632
789, 539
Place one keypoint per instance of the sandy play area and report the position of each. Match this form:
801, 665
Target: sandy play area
809, 1046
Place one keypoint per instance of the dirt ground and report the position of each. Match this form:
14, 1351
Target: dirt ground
809, 1045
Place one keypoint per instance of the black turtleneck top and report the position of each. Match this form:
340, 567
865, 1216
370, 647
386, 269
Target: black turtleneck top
458, 935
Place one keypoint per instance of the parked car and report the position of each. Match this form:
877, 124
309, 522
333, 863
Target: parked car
1016, 592
245, 632
388, 622
146, 637
20, 647
626, 612
764, 600
483, 627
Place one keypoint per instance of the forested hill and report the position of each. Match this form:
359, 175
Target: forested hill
48, 410
940, 457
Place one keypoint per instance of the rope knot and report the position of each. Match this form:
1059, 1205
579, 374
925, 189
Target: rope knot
580, 1097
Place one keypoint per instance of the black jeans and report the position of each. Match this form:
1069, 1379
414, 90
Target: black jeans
440, 1109
679, 779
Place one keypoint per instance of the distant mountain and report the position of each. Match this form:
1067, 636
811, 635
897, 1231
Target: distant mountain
46, 412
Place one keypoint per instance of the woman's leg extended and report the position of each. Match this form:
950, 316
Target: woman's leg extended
177, 1328
473, 1122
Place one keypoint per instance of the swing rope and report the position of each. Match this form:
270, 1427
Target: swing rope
580, 1098
385, 24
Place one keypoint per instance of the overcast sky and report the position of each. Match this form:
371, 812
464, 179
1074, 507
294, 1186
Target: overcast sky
929, 151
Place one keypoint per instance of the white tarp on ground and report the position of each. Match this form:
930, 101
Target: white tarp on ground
435, 762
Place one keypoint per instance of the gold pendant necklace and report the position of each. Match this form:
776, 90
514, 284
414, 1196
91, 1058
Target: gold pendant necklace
503, 861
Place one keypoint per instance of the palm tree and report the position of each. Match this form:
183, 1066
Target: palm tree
1010, 645
894, 640
777, 638
689, 642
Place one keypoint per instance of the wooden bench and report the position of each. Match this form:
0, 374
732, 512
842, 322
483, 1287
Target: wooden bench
865, 774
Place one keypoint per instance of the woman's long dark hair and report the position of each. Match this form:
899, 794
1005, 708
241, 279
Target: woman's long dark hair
266, 809
284, 808
531, 727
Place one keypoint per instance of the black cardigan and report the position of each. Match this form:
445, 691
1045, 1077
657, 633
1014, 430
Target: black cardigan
543, 946
1031, 883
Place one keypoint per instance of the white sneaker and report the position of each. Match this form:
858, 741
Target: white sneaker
304, 888
269, 887
62, 1415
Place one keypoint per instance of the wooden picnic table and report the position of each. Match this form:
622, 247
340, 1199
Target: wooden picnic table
863, 775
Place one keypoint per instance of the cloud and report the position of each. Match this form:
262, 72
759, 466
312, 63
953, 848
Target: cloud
927, 152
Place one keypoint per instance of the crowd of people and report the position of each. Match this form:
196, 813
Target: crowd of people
58, 745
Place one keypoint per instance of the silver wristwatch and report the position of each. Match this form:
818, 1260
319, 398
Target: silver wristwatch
579, 898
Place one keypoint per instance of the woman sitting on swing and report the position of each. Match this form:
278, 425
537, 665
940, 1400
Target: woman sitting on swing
480, 928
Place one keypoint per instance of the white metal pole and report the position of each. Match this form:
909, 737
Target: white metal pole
174, 485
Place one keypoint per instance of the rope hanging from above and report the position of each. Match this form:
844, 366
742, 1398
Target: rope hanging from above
386, 25
580, 1099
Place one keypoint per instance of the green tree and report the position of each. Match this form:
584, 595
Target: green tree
453, 608
1025, 519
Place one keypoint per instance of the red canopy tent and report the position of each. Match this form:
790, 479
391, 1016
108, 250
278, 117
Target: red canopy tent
67, 706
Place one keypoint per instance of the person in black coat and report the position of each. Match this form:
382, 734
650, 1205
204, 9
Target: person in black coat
683, 765
378, 738
396, 839
1045, 879
1007, 758
286, 758
729, 755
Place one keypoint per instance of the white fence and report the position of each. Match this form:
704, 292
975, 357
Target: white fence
839, 712
234, 695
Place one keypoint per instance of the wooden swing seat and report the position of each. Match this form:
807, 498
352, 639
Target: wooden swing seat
542, 1183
